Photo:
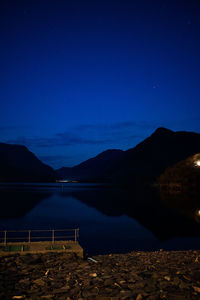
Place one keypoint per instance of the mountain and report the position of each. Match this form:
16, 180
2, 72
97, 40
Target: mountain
141, 164
164, 148
98, 168
17, 163
183, 176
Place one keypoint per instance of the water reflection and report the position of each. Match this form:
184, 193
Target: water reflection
186, 203
16, 202
166, 216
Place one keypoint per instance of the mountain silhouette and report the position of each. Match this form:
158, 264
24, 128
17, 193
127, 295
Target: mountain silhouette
19, 164
99, 168
150, 158
140, 164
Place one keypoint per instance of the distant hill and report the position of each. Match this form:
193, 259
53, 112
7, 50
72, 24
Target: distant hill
150, 158
99, 168
17, 163
141, 164
185, 174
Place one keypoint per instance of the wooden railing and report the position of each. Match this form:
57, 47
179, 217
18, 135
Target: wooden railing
38, 235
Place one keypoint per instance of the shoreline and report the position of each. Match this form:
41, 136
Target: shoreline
138, 275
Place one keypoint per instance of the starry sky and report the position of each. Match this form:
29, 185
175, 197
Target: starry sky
79, 77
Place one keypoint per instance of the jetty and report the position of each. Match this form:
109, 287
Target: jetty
40, 241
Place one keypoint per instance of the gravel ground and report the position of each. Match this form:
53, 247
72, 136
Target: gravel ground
172, 275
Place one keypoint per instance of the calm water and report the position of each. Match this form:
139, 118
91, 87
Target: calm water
109, 220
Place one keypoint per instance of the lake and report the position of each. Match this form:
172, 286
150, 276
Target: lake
110, 220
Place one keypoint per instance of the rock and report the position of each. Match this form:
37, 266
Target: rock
108, 282
155, 275
183, 285
197, 289
93, 275
153, 297
126, 276
139, 297
167, 278
126, 294
47, 272
39, 282
24, 281
196, 275
90, 293
177, 297
74, 291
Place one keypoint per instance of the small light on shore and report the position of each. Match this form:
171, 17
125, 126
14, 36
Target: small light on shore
197, 163
198, 212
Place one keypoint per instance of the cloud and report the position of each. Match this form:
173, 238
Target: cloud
81, 142
87, 134
60, 139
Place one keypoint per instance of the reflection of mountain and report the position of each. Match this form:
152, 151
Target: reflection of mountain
186, 203
143, 163
19, 164
16, 203
179, 187
142, 205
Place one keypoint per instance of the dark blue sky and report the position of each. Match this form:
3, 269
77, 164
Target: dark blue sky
79, 77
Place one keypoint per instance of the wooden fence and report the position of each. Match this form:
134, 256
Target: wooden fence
38, 235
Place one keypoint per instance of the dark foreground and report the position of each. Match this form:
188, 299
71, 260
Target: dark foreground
173, 275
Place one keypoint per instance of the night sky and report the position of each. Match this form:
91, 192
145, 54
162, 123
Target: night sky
80, 77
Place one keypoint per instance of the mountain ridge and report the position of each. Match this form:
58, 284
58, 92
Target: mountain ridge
141, 164
17, 163
147, 160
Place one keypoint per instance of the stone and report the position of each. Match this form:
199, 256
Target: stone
125, 293
74, 291
153, 297
167, 278
39, 282
93, 275
139, 297
108, 282
119, 276
197, 289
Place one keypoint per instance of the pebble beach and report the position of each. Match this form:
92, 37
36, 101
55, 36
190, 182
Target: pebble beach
169, 275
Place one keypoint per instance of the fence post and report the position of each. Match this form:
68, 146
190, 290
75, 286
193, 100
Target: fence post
53, 238
5, 237
29, 236
75, 235
77, 232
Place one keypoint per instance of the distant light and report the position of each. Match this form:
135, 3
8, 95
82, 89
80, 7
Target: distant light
197, 163
198, 212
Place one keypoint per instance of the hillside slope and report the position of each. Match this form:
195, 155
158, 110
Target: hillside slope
17, 163
164, 148
98, 168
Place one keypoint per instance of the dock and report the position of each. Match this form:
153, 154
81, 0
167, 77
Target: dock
28, 241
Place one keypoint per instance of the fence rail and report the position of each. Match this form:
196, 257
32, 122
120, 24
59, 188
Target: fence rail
31, 235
